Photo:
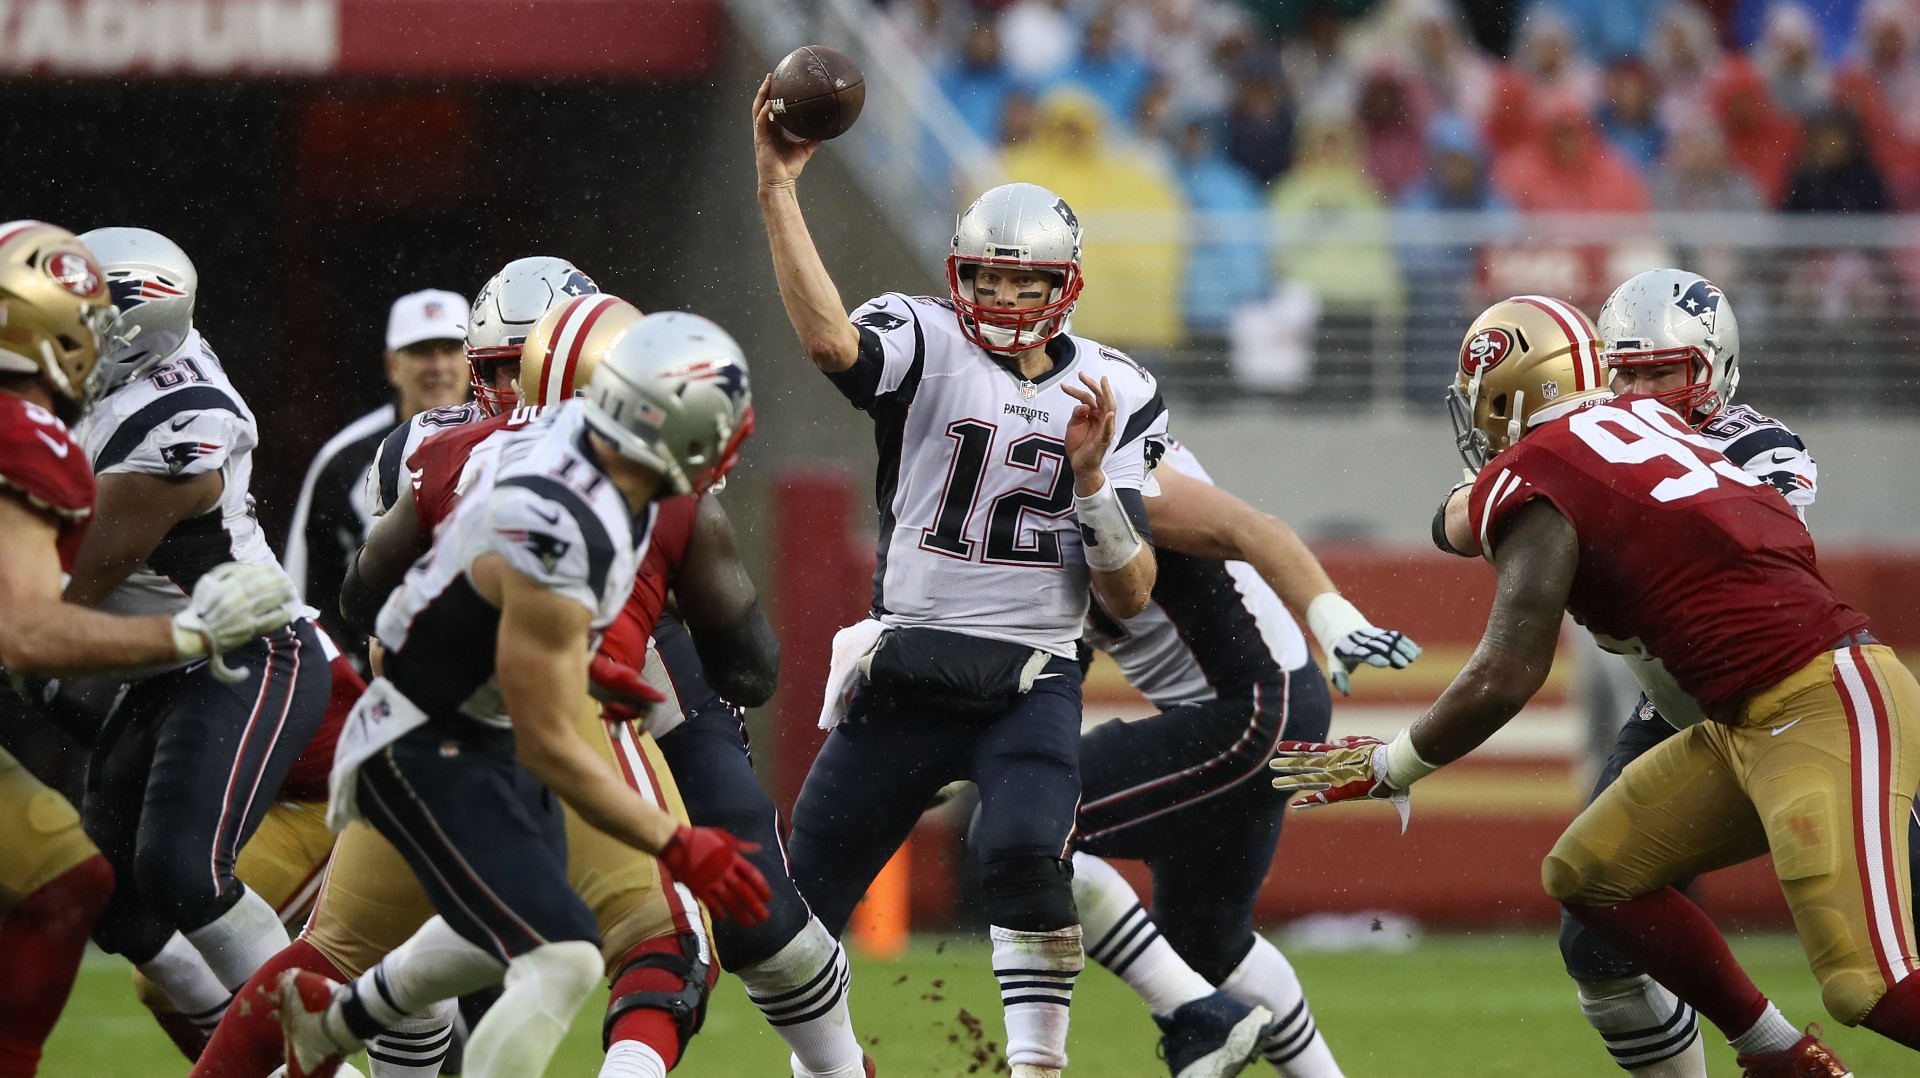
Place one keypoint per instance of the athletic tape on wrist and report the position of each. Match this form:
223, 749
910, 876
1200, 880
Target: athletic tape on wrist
1114, 542
1332, 618
1404, 765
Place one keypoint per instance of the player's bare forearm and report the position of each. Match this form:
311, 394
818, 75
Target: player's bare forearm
811, 298
1535, 558
41, 636
542, 668
721, 609
395, 543
1484, 696
1125, 592
1199, 519
132, 513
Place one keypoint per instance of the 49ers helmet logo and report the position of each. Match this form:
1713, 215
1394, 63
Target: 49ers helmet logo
1485, 349
74, 273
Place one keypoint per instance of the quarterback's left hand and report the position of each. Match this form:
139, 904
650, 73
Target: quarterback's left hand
1350, 769
623, 694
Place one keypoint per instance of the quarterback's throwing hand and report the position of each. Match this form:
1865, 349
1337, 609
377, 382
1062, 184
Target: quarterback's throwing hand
231, 605
1350, 769
778, 157
708, 860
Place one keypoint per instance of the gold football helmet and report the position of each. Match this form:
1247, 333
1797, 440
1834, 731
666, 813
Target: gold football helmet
54, 309
1524, 361
566, 345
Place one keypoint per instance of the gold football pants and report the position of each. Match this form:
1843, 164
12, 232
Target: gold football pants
40, 835
370, 902
1820, 770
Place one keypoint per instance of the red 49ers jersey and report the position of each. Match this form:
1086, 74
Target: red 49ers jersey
42, 464
440, 469
1682, 553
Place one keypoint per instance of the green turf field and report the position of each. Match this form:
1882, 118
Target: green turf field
1479, 1006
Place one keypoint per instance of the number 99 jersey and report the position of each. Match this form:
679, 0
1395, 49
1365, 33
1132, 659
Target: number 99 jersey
1682, 553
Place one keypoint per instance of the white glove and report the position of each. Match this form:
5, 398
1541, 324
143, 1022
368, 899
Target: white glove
231, 605
1350, 640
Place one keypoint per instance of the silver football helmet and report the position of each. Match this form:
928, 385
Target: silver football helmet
153, 284
1020, 226
1671, 316
672, 394
506, 310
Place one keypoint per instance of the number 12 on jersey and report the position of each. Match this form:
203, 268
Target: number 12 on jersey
973, 445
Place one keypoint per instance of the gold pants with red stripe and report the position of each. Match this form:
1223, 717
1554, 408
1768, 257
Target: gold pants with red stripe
370, 901
1819, 770
40, 835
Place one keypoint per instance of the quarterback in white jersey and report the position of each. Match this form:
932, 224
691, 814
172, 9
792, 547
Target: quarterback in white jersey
191, 757
978, 534
1014, 457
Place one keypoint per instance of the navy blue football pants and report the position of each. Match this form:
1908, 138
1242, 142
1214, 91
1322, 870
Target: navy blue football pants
1188, 792
880, 768
711, 763
183, 771
486, 839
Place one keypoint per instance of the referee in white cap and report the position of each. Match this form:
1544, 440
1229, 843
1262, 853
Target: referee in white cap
426, 365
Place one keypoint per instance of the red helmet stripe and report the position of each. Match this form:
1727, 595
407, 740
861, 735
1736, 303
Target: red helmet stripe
13, 228
575, 323
1586, 350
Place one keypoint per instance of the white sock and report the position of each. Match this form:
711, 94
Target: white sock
1036, 972
1121, 937
435, 963
631, 1059
414, 1047
1647, 1029
544, 990
240, 940
1772, 1033
802, 991
182, 974
1266, 977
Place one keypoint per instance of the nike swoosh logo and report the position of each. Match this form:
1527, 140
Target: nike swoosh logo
1043, 677
1778, 730
554, 518
181, 423
1781, 456
58, 445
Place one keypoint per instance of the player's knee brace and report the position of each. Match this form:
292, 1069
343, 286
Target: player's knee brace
1029, 894
663, 961
1589, 959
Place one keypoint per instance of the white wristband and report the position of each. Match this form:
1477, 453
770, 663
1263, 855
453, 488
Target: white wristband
1331, 618
1404, 765
1114, 542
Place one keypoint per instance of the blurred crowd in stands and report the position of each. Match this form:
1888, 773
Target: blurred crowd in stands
1334, 110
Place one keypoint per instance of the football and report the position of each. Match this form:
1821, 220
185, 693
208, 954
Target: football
817, 93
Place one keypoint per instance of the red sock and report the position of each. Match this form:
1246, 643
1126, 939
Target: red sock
43, 938
652, 1026
1897, 1015
247, 1043
1679, 946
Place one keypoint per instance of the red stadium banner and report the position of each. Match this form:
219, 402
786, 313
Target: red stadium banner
646, 40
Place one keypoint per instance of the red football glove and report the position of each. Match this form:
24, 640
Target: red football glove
708, 860
623, 694
1350, 769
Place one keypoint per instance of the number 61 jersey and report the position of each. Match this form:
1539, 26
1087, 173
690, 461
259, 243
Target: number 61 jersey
1707, 568
974, 490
